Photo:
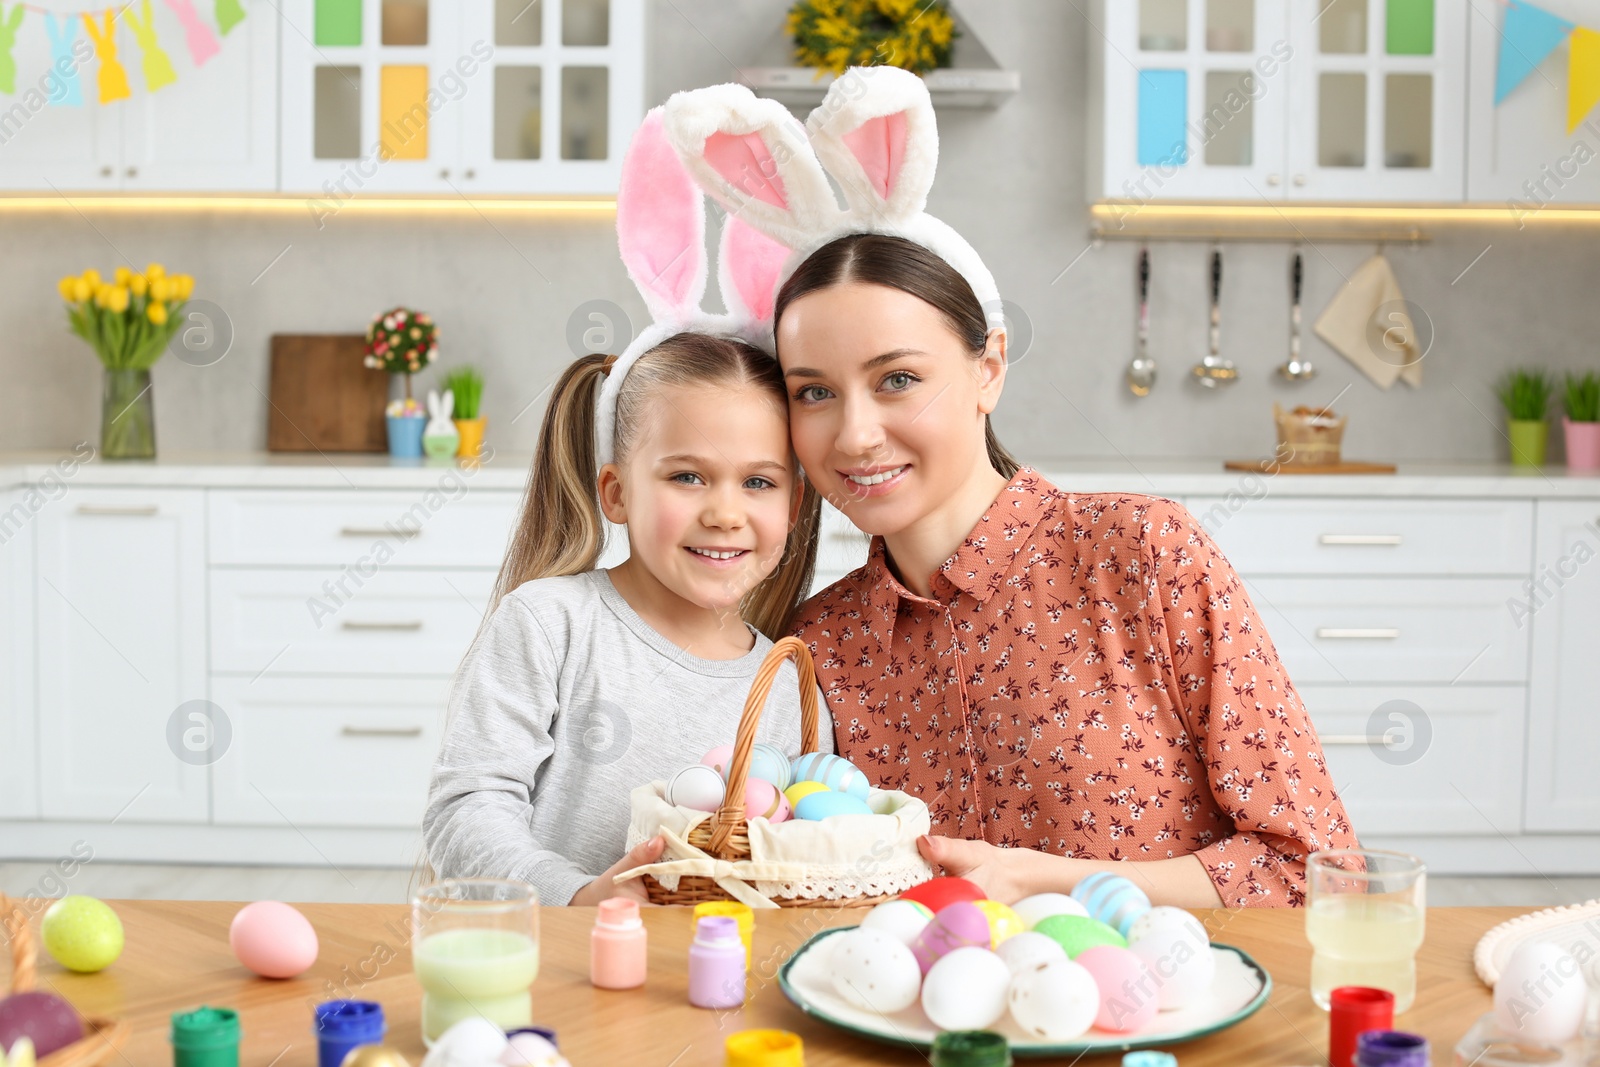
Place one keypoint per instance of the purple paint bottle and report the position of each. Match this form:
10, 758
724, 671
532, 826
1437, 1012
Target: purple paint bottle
716, 964
1391, 1048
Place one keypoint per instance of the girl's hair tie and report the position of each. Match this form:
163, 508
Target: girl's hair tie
607, 364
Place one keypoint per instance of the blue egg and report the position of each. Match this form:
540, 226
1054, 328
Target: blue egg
768, 763
822, 805
1111, 899
835, 772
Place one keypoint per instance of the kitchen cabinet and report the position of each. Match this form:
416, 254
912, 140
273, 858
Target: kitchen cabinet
121, 649
19, 797
214, 129
1278, 100
465, 98
1561, 606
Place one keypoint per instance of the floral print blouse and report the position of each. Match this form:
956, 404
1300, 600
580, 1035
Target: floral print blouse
1089, 679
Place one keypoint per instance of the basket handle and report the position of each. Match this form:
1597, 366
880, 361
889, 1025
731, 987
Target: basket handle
731, 815
24, 956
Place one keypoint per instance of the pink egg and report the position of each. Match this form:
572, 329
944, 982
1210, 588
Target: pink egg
273, 939
1129, 993
961, 925
719, 758
763, 800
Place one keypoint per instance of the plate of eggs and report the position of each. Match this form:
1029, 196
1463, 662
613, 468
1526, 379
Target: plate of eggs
1098, 970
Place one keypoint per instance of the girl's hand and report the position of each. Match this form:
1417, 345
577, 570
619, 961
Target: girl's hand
602, 887
1004, 874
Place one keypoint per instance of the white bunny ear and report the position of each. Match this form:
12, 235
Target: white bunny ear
447, 403
876, 134
661, 225
752, 156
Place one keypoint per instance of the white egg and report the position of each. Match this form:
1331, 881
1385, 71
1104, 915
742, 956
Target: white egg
530, 1050
1540, 995
1054, 1001
874, 970
904, 919
1029, 949
1161, 915
966, 989
469, 1043
1180, 959
698, 787
1043, 905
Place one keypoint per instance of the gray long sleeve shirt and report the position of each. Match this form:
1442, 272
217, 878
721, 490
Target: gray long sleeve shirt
567, 702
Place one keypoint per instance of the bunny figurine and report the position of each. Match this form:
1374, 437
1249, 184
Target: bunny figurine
440, 438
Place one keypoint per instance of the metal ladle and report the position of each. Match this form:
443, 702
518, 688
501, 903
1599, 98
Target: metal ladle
1142, 369
1213, 371
1296, 369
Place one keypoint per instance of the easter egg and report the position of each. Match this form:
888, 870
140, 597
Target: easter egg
800, 790
718, 759
469, 1043
1075, 933
939, 893
1043, 905
827, 804
966, 990
835, 772
1164, 915
1553, 1012
1112, 899
1180, 957
273, 939
1029, 949
875, 971
530, 1050
902, 919
763, 801
374, 1056
698, 787
1127, 991
44, 1018
82, 934
961, 925
1003, 922
1055, 1000
768, 763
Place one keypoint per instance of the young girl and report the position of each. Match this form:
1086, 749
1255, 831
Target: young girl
586, 683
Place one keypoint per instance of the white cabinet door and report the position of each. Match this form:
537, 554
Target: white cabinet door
1377, 100
1519, 150
58, 147
121, 638
1563, 611
19, 797
215, 129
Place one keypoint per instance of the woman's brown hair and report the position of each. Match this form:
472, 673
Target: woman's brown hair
562, 530
881, 259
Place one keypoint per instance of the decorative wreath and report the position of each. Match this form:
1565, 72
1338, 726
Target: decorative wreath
833, 35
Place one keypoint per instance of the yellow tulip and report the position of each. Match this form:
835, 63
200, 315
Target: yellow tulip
118, 300
188, 286
157, 312
67, 286
91, 276
139, 285
154, 271
80, 290
160, 288
101, 293
123, 274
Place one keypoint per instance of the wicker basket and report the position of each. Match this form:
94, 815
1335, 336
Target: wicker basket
102, 1039
726, 834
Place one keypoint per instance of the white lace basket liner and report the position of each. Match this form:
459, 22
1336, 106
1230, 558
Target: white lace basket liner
844, 860
1569, 927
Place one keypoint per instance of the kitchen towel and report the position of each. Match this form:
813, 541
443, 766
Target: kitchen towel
1369, 323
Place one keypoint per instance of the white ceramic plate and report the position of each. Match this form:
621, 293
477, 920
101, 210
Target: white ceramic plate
1241, 987
1569, 927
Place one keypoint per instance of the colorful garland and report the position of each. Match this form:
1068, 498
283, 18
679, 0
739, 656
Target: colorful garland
833, 35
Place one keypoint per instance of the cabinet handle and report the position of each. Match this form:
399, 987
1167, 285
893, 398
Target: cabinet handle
377, 531
1299, 179
1359, 539
381, 731
1373, 633
1274, 179
403, 624
133, 172
847, 536
91, 509
445, 173
1353, 739
471, 173
106, 172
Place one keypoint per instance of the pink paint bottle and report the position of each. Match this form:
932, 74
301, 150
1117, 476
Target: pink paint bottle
617, 945
716, 964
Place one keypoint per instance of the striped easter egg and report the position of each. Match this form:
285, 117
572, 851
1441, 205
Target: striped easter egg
835, 772
1112, 899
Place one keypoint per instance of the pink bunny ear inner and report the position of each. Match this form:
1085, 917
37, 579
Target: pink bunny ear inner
660, 219
745, 162
879, 145
752, 262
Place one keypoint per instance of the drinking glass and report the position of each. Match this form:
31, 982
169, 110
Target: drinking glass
1364, 919
475, 950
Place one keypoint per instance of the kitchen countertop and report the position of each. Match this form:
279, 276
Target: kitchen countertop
509, 471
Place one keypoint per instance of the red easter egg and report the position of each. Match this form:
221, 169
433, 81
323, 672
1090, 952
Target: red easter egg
936, 894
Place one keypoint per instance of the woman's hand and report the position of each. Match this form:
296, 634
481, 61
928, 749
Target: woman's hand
1004, 874
633, 889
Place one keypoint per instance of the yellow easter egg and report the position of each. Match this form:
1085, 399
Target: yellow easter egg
801, 790
1003, 922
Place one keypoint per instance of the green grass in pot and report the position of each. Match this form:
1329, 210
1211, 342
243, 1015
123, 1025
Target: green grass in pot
467, 385
1583, 397
1526, 394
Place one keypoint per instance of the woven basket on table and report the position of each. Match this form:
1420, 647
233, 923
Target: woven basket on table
725, 835
102, 1038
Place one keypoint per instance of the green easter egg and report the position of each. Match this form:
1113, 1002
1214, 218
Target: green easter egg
1076, 933
82, 934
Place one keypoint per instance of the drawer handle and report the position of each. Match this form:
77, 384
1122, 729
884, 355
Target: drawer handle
381, 731
1374, 633
851, 536
145, 511
378, 531
406, 624
1360, 539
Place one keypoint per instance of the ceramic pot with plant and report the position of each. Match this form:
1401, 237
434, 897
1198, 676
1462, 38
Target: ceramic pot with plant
402, 342
129, 322
1581, 421
1526, 396
467, 385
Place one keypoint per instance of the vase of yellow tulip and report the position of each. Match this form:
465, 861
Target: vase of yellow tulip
129, 322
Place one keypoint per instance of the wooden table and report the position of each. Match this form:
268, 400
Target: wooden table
177, 957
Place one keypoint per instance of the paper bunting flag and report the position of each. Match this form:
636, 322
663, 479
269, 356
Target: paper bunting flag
8, 38
64, 91
229, 15
1528, 36
113, 79
158, 72
202, 42
1583, 76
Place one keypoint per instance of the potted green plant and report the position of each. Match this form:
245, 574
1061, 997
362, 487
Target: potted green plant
467, 385
403, 341
1526, 396
1581, 421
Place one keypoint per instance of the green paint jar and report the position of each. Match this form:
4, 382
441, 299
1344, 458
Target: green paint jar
205, 1037
970, 1048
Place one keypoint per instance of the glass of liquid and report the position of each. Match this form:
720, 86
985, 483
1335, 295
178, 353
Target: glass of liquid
1364, 919
475, 950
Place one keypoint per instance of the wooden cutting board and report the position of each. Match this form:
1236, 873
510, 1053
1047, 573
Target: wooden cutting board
323, 398
1272, 466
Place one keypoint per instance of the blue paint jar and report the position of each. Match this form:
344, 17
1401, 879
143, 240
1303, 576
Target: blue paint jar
341, 1025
